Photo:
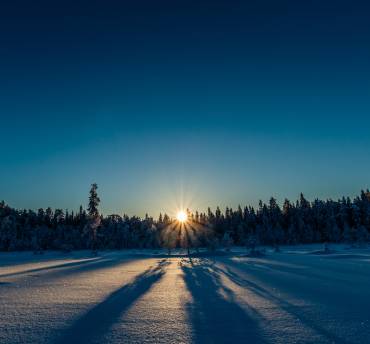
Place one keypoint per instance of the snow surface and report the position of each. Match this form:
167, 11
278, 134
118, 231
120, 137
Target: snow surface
295, 296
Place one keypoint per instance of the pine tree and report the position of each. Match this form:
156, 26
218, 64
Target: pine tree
94, 201
94, 217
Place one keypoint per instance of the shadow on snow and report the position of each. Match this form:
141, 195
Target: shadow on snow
279, 302
92, 326
54, 267
214, 313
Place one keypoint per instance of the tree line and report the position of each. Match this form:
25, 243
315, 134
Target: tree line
344, 220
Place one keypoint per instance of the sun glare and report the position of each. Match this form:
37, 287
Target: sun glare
181, 216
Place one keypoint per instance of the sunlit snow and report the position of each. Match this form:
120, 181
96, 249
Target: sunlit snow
296, 296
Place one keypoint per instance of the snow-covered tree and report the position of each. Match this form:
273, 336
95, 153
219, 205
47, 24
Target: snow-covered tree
227, 241
94, 218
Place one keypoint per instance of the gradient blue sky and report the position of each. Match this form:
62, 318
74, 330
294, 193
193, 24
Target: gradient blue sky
194, 102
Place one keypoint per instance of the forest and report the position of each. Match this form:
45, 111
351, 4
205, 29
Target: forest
345, 220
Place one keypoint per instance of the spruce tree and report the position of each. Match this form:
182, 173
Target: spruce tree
94, 217
93, 201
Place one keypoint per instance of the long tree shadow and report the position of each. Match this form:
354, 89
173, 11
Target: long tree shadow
278, 301
214, 313
54, 267
299, 270
5, 283
68, 269
92, 326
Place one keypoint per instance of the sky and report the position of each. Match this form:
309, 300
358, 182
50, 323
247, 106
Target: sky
170, 104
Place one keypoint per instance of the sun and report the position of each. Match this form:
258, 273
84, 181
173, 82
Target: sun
181, 216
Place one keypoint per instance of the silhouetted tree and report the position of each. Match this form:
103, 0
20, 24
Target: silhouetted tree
345, 220
94, 218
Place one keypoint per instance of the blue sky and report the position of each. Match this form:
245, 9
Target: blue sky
212, 103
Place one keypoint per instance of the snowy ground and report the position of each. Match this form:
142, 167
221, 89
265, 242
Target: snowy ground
296, 296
